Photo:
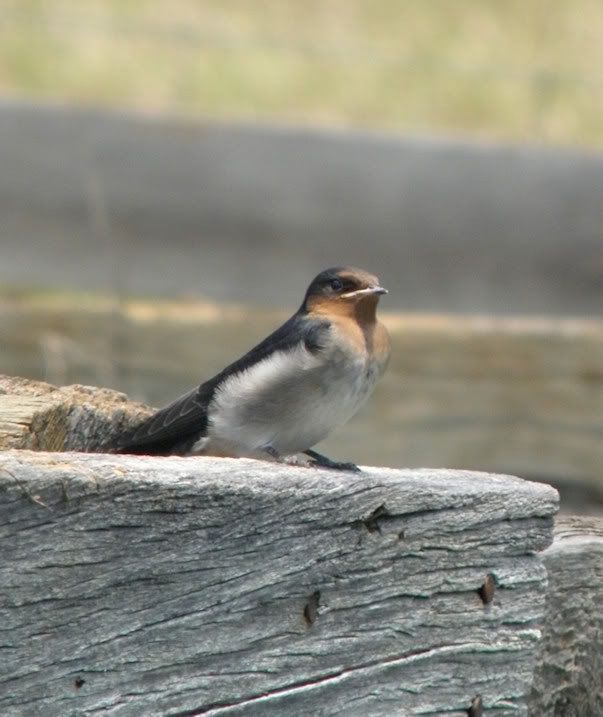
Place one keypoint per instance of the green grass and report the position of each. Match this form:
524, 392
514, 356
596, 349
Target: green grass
496, 68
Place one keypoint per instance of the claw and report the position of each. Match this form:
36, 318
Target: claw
320, 461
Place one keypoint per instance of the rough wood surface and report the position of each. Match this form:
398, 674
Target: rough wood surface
568, 680
42, 417
189, 586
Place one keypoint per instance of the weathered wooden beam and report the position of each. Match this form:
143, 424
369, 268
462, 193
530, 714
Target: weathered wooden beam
569, 671
38, 416
188, 586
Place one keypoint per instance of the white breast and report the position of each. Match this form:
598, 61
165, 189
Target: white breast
289, 401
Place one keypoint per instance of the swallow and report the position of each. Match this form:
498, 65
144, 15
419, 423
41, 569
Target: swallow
291, 390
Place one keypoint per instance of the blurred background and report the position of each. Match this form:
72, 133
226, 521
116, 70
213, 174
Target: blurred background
172, 175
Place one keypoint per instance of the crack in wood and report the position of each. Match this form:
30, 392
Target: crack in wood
318, 682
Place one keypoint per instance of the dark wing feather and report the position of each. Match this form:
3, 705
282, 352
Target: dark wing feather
175, 428
168, 429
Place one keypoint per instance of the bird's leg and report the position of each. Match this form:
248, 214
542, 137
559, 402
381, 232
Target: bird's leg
277, 458
273, 453
324, 462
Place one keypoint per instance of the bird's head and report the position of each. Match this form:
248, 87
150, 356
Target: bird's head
343, 290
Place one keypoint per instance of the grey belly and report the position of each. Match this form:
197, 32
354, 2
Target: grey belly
289, 409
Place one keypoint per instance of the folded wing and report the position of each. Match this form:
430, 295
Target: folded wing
175, 428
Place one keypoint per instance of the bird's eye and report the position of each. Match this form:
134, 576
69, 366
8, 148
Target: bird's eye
336, 284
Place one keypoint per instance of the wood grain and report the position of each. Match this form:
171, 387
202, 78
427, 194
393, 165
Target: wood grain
569, 672
39, 416
171, 586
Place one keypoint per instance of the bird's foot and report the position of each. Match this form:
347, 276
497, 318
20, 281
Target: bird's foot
294, 460
272, 454
320, 461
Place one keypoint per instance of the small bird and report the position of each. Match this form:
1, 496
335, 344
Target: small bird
290, 391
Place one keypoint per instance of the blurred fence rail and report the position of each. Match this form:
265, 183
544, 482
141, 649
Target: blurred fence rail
134, 204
